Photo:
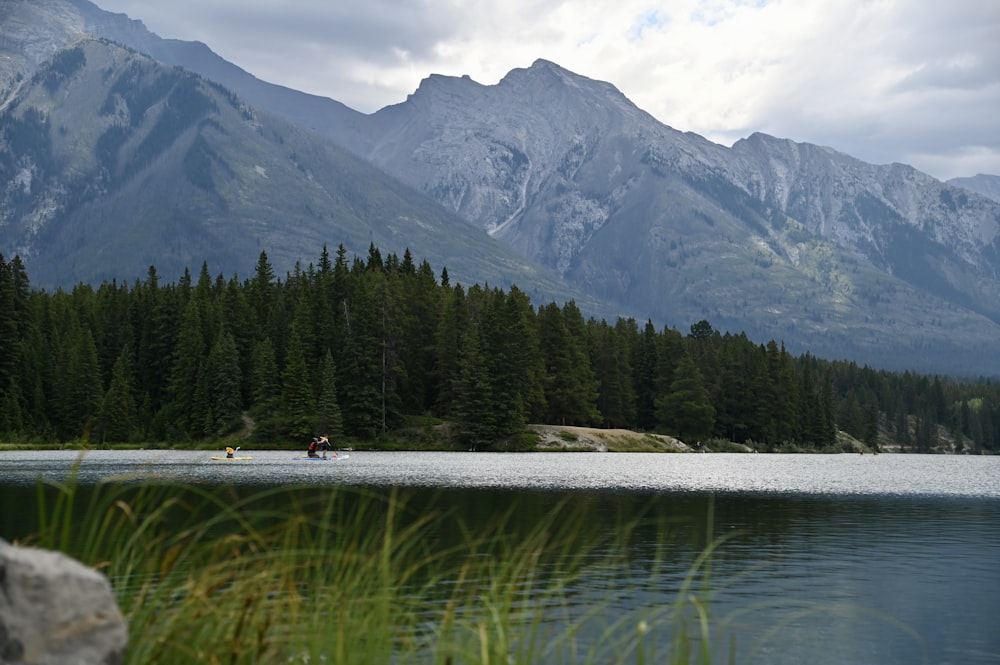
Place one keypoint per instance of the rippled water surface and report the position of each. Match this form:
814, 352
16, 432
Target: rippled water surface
904, 475
823, 559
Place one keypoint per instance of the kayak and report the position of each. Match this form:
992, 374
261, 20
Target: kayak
234, 459
321, 459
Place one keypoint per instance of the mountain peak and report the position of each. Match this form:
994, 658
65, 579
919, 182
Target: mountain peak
441, 88
546, 71
543, 64
778, 238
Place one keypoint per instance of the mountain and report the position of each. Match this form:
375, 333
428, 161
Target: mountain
790, 241
784, 240
987, 185
34, 31
111, 162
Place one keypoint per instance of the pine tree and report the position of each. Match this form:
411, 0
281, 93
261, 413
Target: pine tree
304, 322
329, 419
828, 422
238, 322
38, 361
23, 381
685, 410
570, 386
155, 316
521, 369
902, 428
870, 437
473, 405
224, 378
610, 352
782, 373
11, 415
811, 411
586, 382
262, 293
644, 372
730, 403
388, 335
298, 405
419, 311
189, 409
79, 390
453, 323
703, 344
118, 416
113, 327
670, 348
335, 314
369, 382
10, 343
265, 392
359, 366
265, 383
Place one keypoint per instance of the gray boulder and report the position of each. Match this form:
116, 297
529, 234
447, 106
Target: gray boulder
56, 611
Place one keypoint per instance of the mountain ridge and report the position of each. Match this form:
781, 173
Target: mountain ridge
114, 162
783, 240
831, 253
981, 183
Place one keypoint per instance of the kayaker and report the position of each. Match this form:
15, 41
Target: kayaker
319, 444
230, 451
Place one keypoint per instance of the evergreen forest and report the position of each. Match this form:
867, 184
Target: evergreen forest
360, 347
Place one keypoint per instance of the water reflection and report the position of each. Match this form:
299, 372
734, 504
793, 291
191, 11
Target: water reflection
820, 559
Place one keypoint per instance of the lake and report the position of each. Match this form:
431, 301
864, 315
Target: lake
833, 559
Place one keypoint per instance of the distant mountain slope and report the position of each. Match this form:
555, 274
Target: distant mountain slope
33, 31
111, 162
987, 185
781, 239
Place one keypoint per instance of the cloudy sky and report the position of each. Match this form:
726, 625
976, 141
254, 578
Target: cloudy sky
913, 81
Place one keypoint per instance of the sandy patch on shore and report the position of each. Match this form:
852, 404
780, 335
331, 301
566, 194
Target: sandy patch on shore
562, 437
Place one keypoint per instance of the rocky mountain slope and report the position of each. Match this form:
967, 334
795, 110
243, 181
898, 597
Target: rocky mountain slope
33, 31
784, 240
987, 185
111, 162
877, 263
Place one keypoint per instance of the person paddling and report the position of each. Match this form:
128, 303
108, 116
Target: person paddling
319, 444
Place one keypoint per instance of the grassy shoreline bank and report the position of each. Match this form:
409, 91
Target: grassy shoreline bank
353, 575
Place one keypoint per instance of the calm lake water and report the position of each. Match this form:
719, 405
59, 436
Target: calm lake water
839, 559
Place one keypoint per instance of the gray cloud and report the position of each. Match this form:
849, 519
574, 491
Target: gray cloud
376, 31
894, 80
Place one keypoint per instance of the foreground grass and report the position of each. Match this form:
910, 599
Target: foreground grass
350, 575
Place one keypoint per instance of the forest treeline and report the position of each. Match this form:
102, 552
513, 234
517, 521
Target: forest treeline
356, 347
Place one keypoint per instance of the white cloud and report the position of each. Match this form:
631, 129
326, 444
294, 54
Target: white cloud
883, 80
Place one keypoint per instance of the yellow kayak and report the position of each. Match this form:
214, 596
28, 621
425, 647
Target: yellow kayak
233, 458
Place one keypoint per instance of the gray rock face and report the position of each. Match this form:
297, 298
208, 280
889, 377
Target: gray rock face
783, 240
33, 31
546, 159
56, 611
880, 264
987, 185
